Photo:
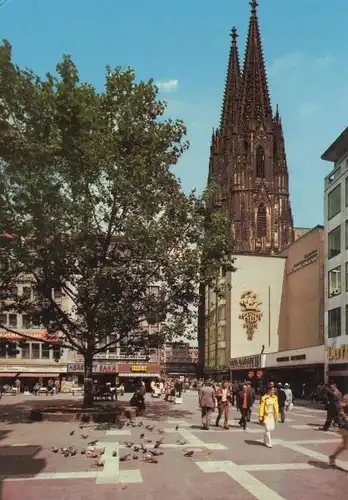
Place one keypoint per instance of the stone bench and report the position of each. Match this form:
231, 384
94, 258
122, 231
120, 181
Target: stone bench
10, 393
77, 390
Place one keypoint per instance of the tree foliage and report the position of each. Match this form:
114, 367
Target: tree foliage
90, 205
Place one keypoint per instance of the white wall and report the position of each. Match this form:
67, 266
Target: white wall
263, 276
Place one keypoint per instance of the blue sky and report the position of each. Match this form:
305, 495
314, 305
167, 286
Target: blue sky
187, 43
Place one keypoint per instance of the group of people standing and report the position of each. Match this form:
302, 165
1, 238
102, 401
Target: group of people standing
276, 401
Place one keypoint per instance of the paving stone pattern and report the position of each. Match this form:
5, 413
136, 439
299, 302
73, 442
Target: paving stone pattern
230, 463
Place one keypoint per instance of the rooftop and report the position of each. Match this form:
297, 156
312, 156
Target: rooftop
338, 148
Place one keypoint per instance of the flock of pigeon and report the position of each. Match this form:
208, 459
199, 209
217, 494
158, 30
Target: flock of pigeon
149, 449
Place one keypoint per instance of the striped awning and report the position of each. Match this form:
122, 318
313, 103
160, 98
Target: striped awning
139, 375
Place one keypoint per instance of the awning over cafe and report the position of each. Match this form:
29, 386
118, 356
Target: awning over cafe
139, 375
28, 375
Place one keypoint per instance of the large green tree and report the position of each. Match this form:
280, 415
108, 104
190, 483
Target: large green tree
90, 205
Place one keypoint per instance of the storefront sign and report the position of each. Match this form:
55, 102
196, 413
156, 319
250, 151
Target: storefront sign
97, 367
39, 335
245, 363
31, 369
337, 353
308, 258
139, 368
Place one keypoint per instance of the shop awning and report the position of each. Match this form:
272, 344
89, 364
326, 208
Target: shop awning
38, 375
139, 375
8, 375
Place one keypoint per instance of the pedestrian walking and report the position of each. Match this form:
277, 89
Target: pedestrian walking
288, 397
334, 398
223, 397
207, 402
252, 397
244, 403
268, 414
281, 401
343, 430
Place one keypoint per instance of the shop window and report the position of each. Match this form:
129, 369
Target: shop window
334, 202
45, 351
260, 163
261, 221
25, 351
12, 320
334, 242
334, 282
334, 322
3, 319
56, 353
35, 350
25, 321
26, 292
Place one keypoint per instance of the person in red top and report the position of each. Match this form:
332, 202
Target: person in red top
223, 397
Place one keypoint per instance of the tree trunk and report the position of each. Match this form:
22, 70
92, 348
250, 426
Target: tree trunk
88, 381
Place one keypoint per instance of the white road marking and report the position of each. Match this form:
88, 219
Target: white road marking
118, 432
110, 473
311, 453
275, 467
193, 440
316, 441
242, 477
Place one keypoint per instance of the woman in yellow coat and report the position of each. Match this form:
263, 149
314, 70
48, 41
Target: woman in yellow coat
268, 414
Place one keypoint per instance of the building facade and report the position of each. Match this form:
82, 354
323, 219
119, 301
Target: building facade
336, 262
247, 158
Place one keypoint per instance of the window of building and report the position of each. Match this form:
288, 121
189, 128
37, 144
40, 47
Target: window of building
112, 348
26, 292
25, 351
334, 322
3, 319
334, 202
12, 320
25, 321
334, 242
35, 350
56, 352
261, 221
45, 351
334, 282
260, 163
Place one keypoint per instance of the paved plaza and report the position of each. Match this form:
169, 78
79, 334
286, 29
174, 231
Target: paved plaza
229, 464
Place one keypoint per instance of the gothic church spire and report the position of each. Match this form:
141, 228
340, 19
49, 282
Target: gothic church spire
255, 99
230, 106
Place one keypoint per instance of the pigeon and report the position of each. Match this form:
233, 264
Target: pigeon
140, 424
182, 443
127, 424
54, 449
81, 426
136, 448
142, 436
155, 453
151, 427
114, 453
177, 428
63, 450
99, 462
160, 431
188, 453
72, 450
129, 444
125, 457
72, 433
150, 460
93, 443
102, 451
92, 454
158, 443
148, 440
83, 451
135, 456
66, 453
84, 436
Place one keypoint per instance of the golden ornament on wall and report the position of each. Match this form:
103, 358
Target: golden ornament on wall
251, 313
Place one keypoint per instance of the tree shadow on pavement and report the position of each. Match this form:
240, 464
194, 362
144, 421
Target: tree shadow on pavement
161, 410
19, 462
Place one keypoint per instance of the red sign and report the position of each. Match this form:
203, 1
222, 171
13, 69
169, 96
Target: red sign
130, 368
39, 335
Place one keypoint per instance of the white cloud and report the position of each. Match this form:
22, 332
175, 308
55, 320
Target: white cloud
299, 61
168, 85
